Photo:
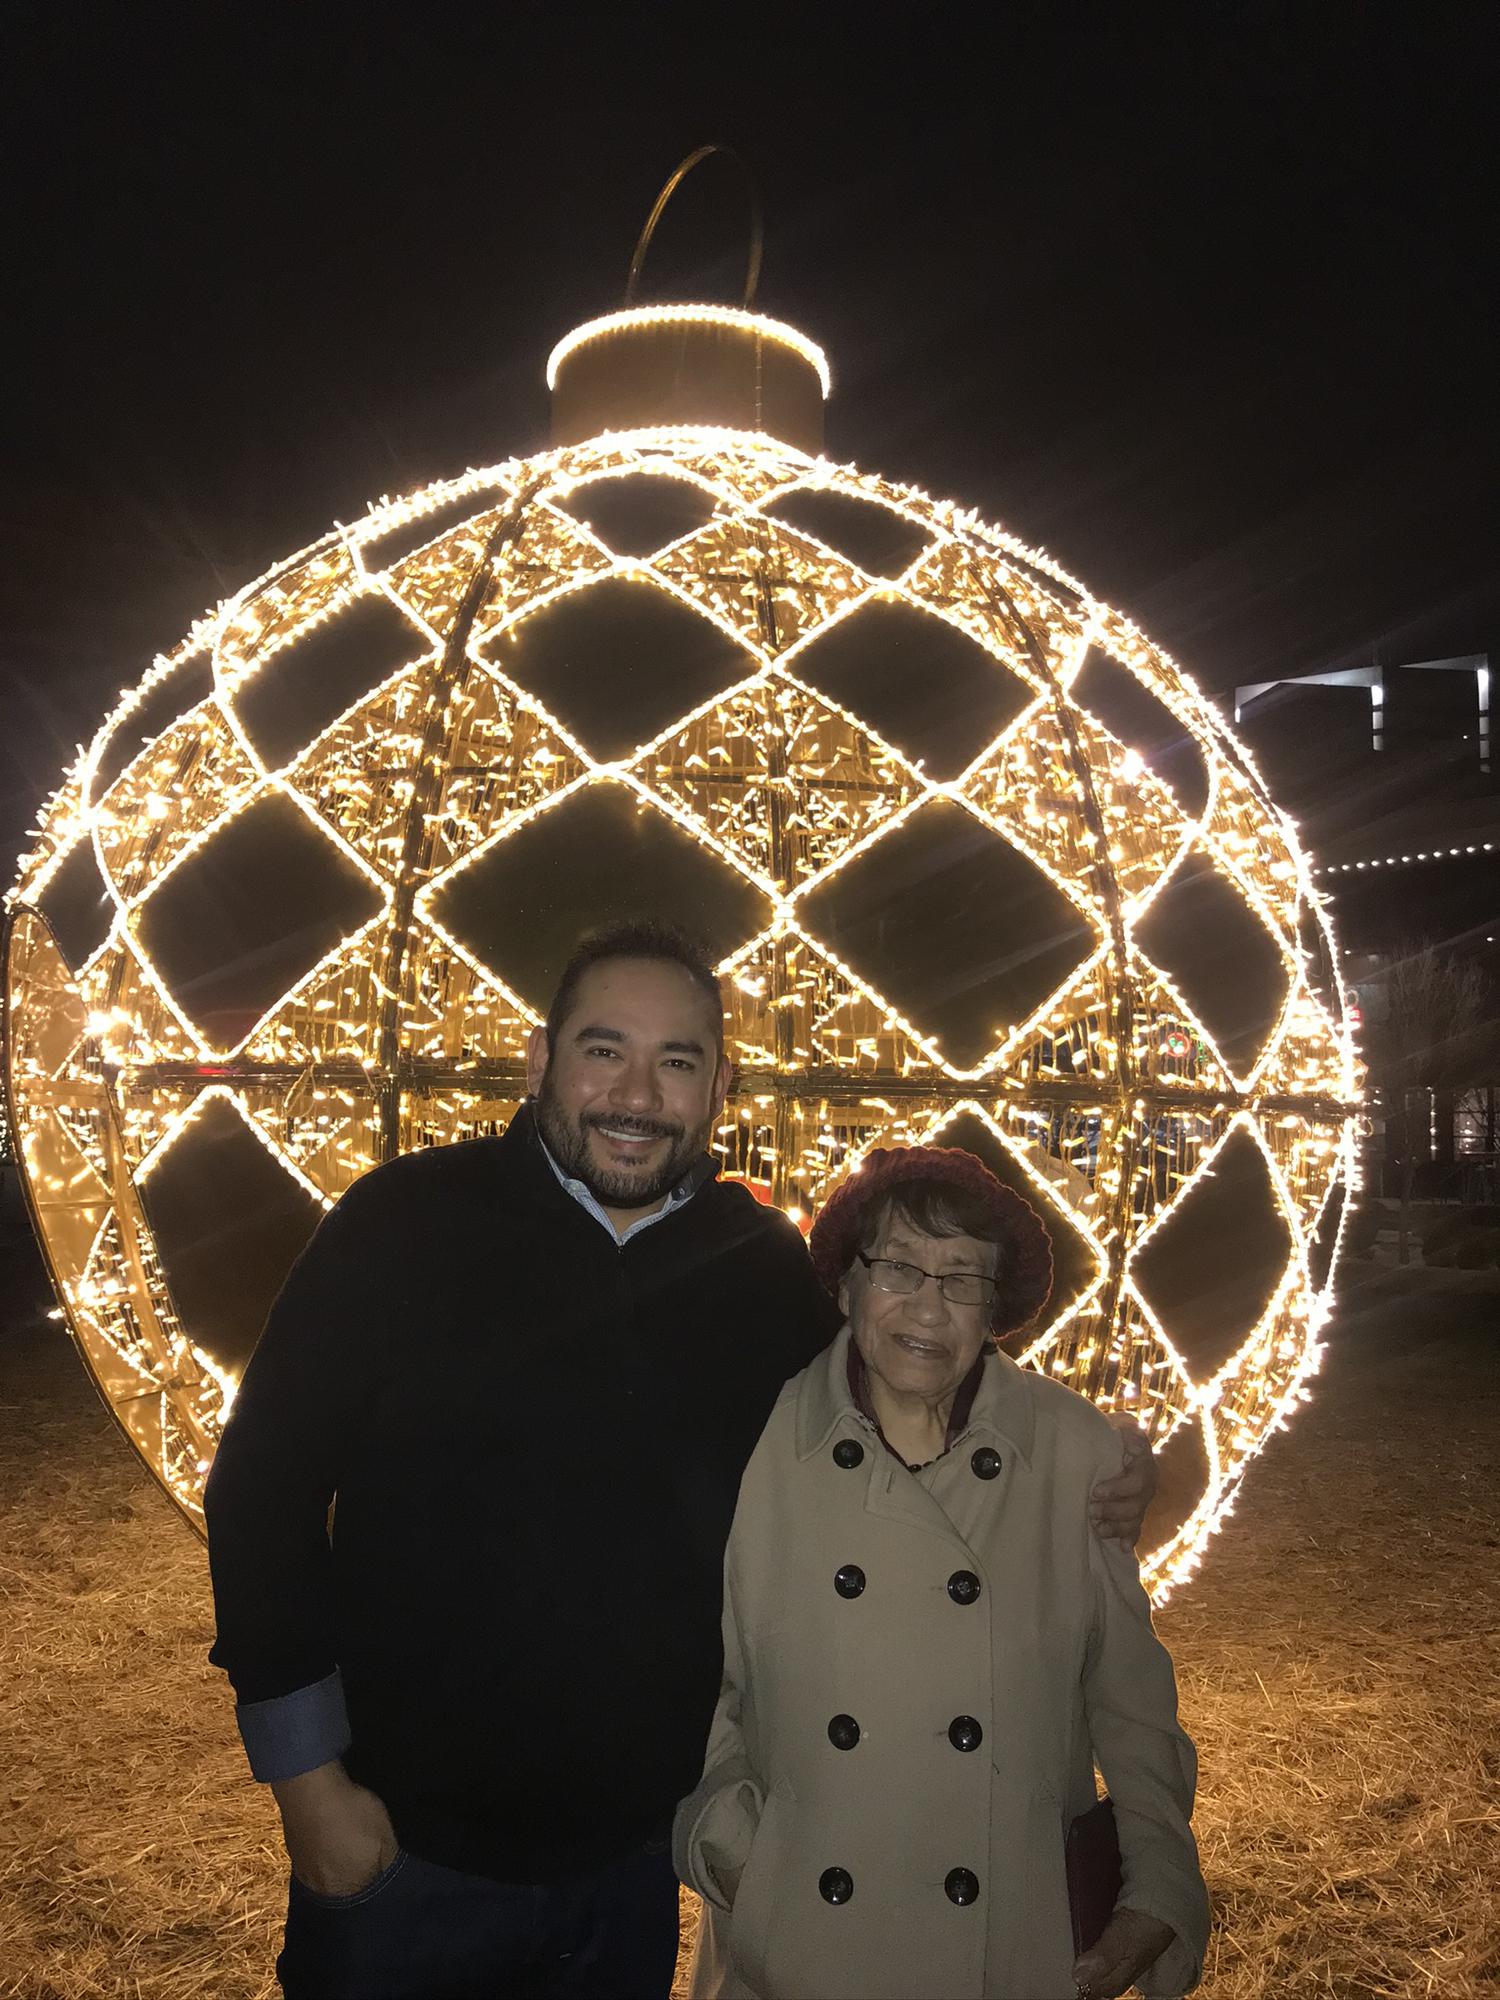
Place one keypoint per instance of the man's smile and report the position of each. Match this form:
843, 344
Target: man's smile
629, 1140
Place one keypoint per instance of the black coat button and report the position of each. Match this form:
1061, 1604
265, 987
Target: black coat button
964, 1733
836, 1885
961, 1886
843, 1732
986, 1462
847, 1454
963, 1586
850, 1580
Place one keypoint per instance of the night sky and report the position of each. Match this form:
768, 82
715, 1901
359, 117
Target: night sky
1194, 298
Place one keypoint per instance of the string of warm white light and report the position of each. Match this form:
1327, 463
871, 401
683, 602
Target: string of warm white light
1406, 860
1110, 1097
684, 315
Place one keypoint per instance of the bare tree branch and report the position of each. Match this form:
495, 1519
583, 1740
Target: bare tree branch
1431, 1034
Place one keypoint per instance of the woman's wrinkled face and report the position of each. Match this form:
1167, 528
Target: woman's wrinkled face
918, 1343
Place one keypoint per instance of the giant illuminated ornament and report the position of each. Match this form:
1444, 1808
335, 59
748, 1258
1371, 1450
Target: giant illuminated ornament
978, 863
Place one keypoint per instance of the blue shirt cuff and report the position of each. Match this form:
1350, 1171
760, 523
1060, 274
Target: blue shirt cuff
296, 1732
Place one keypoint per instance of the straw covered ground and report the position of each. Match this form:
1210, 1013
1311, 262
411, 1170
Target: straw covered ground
1338, 1655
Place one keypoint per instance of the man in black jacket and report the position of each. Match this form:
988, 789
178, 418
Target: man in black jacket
529, 1371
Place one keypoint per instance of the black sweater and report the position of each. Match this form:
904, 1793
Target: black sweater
535, 1437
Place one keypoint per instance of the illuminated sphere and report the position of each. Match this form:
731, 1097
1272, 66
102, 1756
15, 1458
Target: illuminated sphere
977, 861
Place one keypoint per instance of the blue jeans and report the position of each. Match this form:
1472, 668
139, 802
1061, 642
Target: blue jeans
421, 1932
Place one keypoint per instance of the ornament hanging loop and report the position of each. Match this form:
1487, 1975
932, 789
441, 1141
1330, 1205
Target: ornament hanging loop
757, 224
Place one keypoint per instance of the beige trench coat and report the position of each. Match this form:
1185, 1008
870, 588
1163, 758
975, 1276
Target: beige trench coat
1055, 1660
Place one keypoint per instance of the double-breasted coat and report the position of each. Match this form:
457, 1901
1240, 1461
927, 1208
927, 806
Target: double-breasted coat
921, 1670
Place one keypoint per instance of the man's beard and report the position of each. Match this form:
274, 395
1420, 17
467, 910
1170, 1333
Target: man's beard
567, 1141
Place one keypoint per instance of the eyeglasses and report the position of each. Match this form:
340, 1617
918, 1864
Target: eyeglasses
959, 1288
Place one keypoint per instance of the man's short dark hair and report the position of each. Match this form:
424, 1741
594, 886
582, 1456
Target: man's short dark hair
635, 937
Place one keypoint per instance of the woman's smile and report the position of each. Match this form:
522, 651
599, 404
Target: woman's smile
920, 1348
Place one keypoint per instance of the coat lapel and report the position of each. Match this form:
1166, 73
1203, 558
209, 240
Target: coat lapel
826, 1411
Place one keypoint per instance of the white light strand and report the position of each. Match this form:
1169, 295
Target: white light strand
1407, 860
720, 316
795, 1005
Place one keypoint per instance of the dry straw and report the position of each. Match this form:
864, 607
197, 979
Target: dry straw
1338, 1660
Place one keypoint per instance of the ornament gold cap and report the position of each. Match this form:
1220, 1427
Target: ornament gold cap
689, 366
673, 367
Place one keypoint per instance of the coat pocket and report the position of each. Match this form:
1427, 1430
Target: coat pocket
754, 1913
723, 1838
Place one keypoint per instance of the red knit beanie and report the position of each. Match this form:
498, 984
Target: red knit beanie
1025, 1246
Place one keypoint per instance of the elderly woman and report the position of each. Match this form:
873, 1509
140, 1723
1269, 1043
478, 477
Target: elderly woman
927, 1651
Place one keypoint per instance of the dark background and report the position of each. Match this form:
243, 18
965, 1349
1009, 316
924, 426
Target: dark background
1198, 298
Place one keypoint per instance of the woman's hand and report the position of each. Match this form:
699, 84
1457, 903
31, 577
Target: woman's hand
339, 1836
1128, 1944
1117, 1506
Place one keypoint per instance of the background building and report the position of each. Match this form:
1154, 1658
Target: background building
1389, 773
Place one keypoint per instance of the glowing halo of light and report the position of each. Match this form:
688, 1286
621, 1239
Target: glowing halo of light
1106, 1095
681, 315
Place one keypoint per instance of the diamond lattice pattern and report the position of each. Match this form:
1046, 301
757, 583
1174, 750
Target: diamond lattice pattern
978, 864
